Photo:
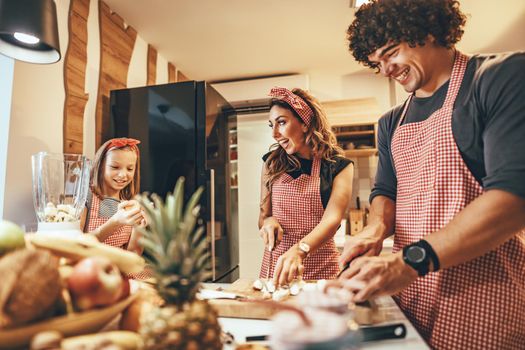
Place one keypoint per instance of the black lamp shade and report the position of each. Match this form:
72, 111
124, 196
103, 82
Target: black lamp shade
37, 18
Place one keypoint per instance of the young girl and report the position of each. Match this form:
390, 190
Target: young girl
111, 212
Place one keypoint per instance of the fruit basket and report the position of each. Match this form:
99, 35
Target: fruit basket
69, 325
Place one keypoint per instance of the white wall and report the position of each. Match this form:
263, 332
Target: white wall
92, 76
6, 86
162, 70
36, 124
253, 139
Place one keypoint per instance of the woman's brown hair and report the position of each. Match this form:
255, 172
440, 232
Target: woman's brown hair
97, 171
319, 137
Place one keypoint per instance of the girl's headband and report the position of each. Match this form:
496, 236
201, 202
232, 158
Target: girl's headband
123, 142
296, 102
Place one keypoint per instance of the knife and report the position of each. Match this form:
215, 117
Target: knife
389, 331
210, 294
371, 333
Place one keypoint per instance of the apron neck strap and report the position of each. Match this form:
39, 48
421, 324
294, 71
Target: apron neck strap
456, 77
316, 167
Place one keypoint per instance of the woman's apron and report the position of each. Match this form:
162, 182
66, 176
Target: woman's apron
297, 206
476, 305
119, 238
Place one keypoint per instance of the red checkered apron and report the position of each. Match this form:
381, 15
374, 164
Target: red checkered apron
297, 206
119, 238
476, 305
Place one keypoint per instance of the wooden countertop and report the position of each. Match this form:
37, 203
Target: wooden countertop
242, 328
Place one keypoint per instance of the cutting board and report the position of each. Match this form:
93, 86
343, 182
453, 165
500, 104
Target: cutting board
365, 314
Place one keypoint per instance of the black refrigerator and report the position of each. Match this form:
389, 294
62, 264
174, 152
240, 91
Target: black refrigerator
187, 129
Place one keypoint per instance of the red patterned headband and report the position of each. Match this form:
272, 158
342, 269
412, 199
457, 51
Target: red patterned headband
294, 101
123, 142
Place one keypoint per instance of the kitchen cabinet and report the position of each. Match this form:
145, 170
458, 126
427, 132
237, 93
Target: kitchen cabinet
357, 140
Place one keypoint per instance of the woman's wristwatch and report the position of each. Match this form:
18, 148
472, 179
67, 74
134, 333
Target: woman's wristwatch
304, 248
418, 255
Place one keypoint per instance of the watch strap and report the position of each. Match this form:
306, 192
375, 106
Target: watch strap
431, 253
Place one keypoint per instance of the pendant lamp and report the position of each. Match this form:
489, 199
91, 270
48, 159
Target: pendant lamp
29, 31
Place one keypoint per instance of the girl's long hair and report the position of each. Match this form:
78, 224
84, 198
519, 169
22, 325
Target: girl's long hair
319, 137
97, 172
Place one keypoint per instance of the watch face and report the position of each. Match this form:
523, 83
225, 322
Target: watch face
304, 247
415, 254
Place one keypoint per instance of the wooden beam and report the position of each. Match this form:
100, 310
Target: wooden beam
172, 73
117, 42
75, 62
152, 66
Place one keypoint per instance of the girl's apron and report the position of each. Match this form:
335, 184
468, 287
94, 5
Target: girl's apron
119, 238
476, 305
297, 206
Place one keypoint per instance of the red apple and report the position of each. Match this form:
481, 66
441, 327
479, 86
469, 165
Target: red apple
95, 281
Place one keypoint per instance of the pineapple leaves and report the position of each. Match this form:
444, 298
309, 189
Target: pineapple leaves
176, 249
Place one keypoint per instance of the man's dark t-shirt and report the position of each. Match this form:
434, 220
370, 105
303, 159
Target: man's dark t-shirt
488, 124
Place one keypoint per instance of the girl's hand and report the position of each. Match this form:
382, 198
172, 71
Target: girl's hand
128, 213
271, 232
289, 266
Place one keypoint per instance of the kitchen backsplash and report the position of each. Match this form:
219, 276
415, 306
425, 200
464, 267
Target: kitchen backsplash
364, 176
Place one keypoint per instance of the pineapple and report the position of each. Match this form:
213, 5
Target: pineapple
177, 254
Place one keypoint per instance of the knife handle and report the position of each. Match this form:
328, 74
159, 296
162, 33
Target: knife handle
390, 331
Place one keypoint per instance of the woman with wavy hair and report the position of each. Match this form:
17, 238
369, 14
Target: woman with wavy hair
306, 185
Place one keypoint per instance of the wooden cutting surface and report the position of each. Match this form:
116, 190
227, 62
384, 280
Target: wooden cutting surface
364, 314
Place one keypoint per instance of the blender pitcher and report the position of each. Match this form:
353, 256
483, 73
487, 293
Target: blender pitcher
60, 188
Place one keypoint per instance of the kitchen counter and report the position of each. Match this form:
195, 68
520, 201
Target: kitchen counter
241, 328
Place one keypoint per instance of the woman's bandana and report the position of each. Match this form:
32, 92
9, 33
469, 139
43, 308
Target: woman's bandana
123, 142
294, 101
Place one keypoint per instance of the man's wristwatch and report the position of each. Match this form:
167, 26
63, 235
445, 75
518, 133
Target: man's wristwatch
418, 255
305, 248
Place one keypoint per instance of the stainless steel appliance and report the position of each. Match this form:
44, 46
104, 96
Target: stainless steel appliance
187, 129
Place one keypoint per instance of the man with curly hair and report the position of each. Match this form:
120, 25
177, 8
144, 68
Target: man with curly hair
450, 181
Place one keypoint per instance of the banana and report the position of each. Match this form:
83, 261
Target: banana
124, 339
86, 246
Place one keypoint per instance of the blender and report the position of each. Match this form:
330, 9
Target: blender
60, 188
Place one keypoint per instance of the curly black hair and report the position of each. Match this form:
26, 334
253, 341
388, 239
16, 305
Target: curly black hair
379, 22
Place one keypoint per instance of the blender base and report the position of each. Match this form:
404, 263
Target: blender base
60, 229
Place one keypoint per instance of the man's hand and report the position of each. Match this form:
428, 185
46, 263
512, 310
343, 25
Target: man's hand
368, 242
288, 267
271, 232
371, 277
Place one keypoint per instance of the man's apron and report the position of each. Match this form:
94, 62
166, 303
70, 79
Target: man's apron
476, 305
297, 206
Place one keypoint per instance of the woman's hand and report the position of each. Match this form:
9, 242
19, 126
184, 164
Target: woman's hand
371, 277
128, 213
368, 242
271, 232
289, 266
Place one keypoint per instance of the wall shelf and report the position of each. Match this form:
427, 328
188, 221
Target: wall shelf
357, 140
